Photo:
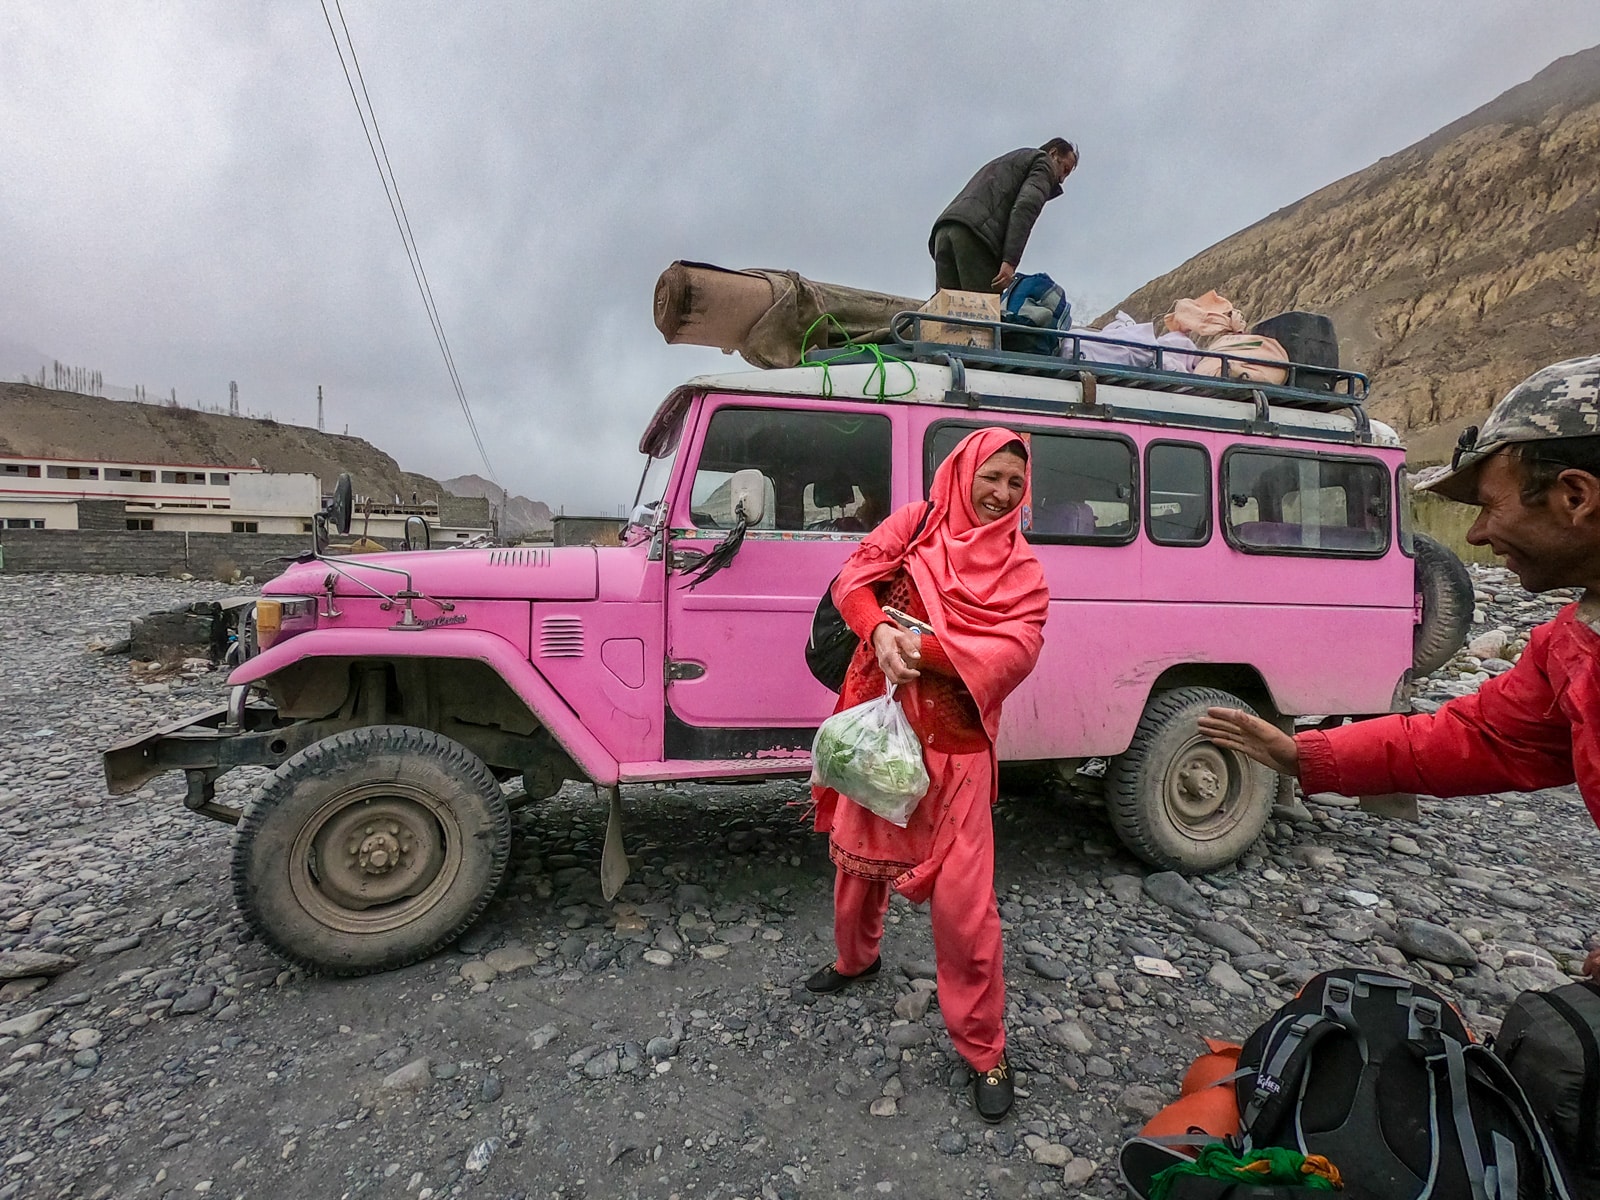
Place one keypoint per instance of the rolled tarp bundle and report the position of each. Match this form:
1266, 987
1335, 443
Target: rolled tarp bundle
764, 314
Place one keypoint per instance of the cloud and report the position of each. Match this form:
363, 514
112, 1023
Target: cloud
189, 198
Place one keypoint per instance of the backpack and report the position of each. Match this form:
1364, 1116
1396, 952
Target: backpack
1378, 1074
833, 643
1550, 1042
1037, 301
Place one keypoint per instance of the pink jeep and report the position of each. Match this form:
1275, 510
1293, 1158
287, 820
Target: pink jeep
1206, 541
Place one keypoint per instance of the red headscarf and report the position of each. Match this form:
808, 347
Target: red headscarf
983, 588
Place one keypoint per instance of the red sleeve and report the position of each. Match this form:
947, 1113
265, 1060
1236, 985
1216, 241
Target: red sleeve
862, 612
1510, 736
935, 659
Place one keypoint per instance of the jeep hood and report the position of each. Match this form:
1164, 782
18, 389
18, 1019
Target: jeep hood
513, 573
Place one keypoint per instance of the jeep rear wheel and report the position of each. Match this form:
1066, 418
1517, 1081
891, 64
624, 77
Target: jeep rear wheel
371, 849
1179, 801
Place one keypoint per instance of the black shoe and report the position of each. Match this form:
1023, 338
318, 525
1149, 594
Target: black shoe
829, 980
992, 1093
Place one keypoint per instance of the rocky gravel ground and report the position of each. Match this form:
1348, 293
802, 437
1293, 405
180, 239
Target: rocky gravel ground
662, 1045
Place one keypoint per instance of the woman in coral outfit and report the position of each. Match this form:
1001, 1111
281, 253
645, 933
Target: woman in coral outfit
970, 575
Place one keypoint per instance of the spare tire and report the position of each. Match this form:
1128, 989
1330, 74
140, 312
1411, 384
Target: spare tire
1446, 591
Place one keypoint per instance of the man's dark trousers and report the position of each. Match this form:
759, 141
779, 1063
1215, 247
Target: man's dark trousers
962, 262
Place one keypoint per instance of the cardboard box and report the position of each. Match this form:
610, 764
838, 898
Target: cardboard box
977, 306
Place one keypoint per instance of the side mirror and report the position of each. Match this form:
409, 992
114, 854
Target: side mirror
749, 494
342, 505
417, 535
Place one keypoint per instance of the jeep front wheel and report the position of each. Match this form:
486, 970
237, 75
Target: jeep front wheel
371, 849
1179, 801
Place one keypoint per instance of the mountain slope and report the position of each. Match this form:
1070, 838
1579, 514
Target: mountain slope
1451, 269
54, 424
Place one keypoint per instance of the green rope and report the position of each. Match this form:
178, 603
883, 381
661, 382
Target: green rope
879, 372
1216, 1161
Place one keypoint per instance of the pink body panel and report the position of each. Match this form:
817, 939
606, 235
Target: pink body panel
585, 635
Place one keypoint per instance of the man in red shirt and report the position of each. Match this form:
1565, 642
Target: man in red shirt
1534, 472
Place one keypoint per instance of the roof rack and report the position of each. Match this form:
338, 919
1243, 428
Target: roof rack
1334, 389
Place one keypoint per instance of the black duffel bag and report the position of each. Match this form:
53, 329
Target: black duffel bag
1550, 1041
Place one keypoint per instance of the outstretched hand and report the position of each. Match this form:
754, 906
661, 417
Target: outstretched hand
1591, 965
1235, 729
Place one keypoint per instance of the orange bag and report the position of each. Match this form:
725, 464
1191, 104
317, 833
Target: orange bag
1250, 345
1207, 1100
1204, 317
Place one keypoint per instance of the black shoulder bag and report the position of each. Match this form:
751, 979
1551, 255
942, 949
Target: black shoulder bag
832, 642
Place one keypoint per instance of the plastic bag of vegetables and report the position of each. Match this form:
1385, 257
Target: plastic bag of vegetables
871, 755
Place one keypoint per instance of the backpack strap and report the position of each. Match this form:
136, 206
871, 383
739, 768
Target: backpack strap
1278, 1077
1505, 1168
1461, 1113
1497, 1077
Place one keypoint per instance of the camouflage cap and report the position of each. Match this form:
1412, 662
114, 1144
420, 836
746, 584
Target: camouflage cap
1558, 401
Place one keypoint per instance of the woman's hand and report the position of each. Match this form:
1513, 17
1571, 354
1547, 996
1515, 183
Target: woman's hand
899, 653
1235, 729
1591, 966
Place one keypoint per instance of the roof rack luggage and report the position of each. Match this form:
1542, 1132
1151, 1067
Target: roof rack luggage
1314, 387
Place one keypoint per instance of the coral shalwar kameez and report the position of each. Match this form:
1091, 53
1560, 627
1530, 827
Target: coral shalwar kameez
982, 590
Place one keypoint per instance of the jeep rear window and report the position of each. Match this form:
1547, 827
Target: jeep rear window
1082, 484
1282, 503
823, 471
1177, 497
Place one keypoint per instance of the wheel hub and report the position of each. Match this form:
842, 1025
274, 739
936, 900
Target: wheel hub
370, 852
381, 850
1198, 786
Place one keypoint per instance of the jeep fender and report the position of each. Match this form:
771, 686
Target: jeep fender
471, 644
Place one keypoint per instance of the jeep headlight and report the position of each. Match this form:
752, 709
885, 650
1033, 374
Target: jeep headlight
278, 617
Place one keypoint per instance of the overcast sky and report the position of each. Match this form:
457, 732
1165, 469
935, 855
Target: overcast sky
187, 198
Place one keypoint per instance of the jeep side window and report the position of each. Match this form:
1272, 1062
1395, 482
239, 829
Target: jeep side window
1405, 501
824, 471
1082, 484
1177, 496
1305, 504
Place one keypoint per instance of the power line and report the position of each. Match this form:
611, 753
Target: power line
391, 191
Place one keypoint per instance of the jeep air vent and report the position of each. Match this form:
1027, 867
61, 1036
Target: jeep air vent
519, 558
561, 637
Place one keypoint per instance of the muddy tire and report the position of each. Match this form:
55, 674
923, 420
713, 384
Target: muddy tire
371, 849
1446, 591
1178, 801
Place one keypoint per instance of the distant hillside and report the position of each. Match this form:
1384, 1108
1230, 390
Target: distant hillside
1452, 269
519, 516
53, 424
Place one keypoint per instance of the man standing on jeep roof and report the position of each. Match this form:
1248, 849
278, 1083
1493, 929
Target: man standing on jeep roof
978, 240
1534, 472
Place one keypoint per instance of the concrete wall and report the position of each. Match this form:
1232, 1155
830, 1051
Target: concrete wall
463, 512
103, 514
147, 552
587, 531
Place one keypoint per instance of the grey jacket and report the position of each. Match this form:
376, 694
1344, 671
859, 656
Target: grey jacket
1002, 201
